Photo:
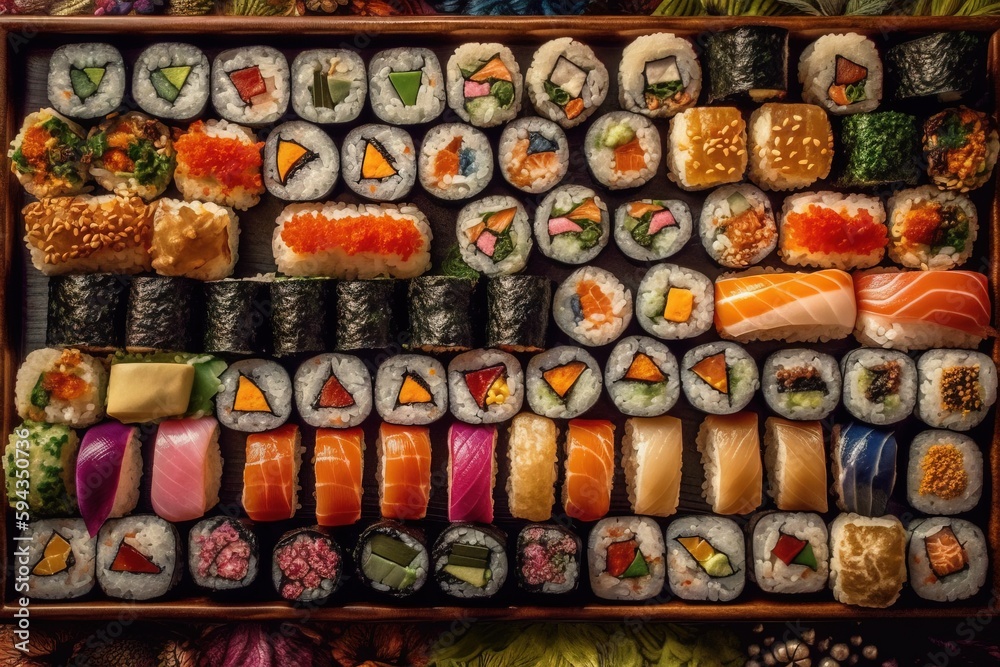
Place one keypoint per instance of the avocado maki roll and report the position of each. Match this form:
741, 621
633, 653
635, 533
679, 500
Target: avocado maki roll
86, 311
365, 314
748, 63
171, 80
159, 314
86, 80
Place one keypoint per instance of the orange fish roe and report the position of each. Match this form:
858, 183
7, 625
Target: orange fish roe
309, 233
35, 148
944, 472
922, 224
823, 229
64, 386
230, 162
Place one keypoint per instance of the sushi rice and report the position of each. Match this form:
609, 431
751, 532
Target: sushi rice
650, 230
947, 558
642, 377
790, 552
741, 378
592, 306
494, 235
344, 379
737, 226
485, 386
411, 389
658, 75
563, 382
674, 302
720, 574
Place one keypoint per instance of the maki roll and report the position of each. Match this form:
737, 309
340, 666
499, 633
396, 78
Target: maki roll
830, 230
566, 82
642, 376
470, 561
589, 469
960, 147
563, 382
623, 150
879, 148
299, 315
627, 558
719, 378
484, 84
108, 469
456, 161
329, 85
411, 389
675, 302
271, 474
842, 73
223, 554
737, 226
955, 388
365, 314
61, 386
494, 235
187, 468
571, 224
801, 384
855, 543
60, 559
658, 76
548, 559
158, 315
48, 453
517, 312
392, 559
863, 467
204, 149
485, 386
86, 80
138, 557
301, 162
151, 387
46, 156
749, 62
947, 559
531, 453
944, 64
592, 306
306, 566
944, 474
439, 313
256, 396
333, 391
931, 229
338, 466
649, 230
86, 311
198, 240
730, 453
404, 471
798, 136
472, 472
790, 552
379, 162
706, 558
708, 147
406, 86
171, 80
234, 312
533, 154
651, 456
132, 155
795, 459
250, 85
880, 386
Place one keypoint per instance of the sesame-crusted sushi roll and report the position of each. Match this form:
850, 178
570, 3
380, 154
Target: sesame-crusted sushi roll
548, 559
484, 84
627, 558
533, 154
708, 147
955, 388
563, 382
86, 80
592, 306
643, 377
485, 386
880, 386
46, 156
250, 85
392, 559
830, 230
301, 162
791, 146
801, 384
737, 226
719, 378
223, 554
944, 474
256, 396
931, 228
706, 558
623, 150
333, 391
947, 558
566, 82
674, 302
960, 147
329, 85
406, 86
306, 566
470, 561
842, 74
411, 389
494, 235
456, 161
650, 230
132, 155
658, 76
208, 146
379, 162
790, 552
571, 224
171, 81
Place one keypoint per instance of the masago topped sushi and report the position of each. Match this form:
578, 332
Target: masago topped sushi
945, 473
46, 156
220, 162
832, 231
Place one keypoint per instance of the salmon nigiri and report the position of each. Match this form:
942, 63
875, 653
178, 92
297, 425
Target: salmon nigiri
404, 470
730, 452
187, 468
796, 464
339, 462
590, 467
270, 477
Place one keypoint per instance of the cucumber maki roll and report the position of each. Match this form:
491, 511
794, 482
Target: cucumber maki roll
61, 557
171, 80
484, 84
86, 311
658, 76
566, 82
48, 453
379, 162
392, 559
563, 382
456, 161
643, 377
571, 224
234, 313
301, 162
494, 235
470, 561
250, 85
61, 386
138, 557
879, 148
329, 85
623, 150
406, 86
748, 63
333, 391
365, 314
46, 156
960, 147
842, 74
158, 316
649, 230
439, 314
299, 315
517, 317
944, 64
86, 80
256, 396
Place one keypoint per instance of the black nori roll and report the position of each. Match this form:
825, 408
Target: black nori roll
159, 314
944, 64
440, 313
235, 311
517, 316
880, 148
86, 311
364, 314
748, 62
392, 558
298, 315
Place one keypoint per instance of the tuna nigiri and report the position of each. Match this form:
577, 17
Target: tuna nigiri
108, 469
404, 471
187, 468
790, 306
652, 461
863, 468
590, 467
471, 472
270, 478
730, 453
918, 310
339, 463
795, 457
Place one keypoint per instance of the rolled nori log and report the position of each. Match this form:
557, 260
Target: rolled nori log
299, 315
440, 313
880, 148
517, 312
159, 315
364, 314
86, 311
946, 64
236, 314
749, 62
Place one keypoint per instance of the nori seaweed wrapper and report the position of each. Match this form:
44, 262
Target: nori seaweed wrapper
159, 314
517, 315
365, 314
880, 148
86, 311
298, 315
440, 313
235, 311
749, 62
945, 63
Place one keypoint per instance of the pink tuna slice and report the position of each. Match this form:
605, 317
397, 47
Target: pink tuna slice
562, 225
180, 468
98, 472
476, 89
487, 243
470, 491
660, 220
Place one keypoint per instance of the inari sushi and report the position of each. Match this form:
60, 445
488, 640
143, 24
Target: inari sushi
880, 386
306, 566
484, 84
947, 558
801, 383
863, 468
563, 382
651, 457
187, 468
790, 552
730, 452
392, 559
623, 150
404, 471
58, 558
470, 561
795, 459
856, 542
791, 146
223, 554
212, 252
472, 472
566, 82
642, 377
706, 558
531, 450
842, 73
339, 466
592, 306
697, 136
737, 226
955, 388
271, 474
61, 386
138, 557
944, 474
658, 76
719, 378
589, 468
256, 396
627, 558
406, 86
548, 559
108, 470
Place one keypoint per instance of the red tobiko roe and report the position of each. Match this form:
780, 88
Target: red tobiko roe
230, 162
309, 233
822, 229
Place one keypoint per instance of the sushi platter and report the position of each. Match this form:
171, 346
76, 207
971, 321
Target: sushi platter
454, 318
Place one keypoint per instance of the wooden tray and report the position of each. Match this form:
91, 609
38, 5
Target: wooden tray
28, 40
